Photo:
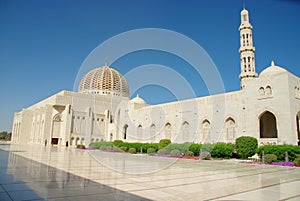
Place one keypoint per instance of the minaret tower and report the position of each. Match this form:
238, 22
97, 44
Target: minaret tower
246, 49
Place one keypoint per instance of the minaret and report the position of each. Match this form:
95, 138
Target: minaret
246, 49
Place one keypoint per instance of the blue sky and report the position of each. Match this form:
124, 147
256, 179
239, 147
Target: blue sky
44, 43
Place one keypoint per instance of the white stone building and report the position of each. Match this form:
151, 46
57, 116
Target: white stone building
266, 107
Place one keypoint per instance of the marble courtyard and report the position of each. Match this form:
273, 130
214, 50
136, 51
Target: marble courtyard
35, 172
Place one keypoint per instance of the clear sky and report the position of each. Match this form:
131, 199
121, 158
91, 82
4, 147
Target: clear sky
44, 43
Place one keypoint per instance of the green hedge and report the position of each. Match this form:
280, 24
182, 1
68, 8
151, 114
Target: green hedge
98, 145
163, 143
279, 151
195, 148
246, 146
222, 150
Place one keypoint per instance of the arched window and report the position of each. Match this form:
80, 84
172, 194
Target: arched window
168, 128
267, 125
261, 91
268, 90
230, 128
206, 130
152, 132
140, 132
298, 127
185, 131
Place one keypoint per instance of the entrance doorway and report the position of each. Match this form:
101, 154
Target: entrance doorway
55, 141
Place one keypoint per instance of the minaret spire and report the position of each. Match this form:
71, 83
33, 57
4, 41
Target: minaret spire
106, 61
246, 49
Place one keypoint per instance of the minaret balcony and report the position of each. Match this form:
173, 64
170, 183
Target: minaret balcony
247, 48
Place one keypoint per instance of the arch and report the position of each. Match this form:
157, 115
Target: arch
152, 132
185, 131
298, 127
206, 130
140, 132
267, 125
268, 90
168, 128
76, 141
230, 128
72, 141
125, 127
261, 91
56, 128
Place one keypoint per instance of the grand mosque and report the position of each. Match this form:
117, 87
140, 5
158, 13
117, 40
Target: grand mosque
267, 107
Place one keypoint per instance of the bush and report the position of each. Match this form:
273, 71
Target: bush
163, 151
205, 155
132, 150
222, 150
80, 146
270, 158
104, 148
151, 151
297, 161
181, 147
246, 146
189, 154
195, 148
117, 143
123, 148
175, 152
163, 143
97, 145
279, 151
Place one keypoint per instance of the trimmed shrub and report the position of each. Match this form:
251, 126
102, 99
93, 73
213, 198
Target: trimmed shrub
132, 150
123, 148
297, 161
279, 151
189, 154
175, 152
195, 148
117, 143
246, 146
163, 151
205, 155
163, 143
80, 146
222, 150
151, 151
270, 158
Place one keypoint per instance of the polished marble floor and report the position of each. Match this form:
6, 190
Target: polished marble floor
34, 172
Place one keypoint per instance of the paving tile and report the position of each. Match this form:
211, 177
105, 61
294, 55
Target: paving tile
4, 197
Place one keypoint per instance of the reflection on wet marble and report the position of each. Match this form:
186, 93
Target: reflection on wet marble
68, 173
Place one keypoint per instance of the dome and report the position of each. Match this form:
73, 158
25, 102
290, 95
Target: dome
138, 100
105, 81
271, 70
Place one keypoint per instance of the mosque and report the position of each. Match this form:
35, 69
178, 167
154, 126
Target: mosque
266, 107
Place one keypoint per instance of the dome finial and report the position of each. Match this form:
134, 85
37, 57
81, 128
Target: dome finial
272, 63
137, 95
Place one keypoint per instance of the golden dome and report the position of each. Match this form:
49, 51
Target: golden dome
104, 81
